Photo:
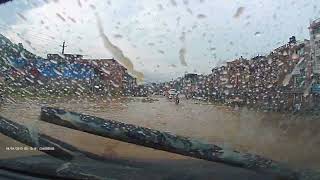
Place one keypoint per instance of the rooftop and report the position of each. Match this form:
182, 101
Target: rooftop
315, 23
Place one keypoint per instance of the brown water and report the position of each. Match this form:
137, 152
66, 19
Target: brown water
291, 139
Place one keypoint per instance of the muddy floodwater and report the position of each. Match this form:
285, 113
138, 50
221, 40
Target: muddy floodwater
293, 139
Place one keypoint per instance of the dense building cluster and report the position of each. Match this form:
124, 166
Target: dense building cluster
61, 73
285, 79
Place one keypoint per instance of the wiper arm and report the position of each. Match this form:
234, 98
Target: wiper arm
62, 150
26, 136
10, 173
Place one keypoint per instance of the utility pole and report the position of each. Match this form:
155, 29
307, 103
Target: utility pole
63, 46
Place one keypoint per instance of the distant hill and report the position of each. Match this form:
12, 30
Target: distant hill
9, 50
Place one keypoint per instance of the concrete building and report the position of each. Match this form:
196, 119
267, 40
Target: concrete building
130, 83
314, 30
219, 83
110, 73
189, 84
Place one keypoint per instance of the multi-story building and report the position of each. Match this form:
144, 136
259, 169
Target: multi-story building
190, 84
314, 30
110, 73
100, 75
219, 83
129, 84
238, 71
262, 80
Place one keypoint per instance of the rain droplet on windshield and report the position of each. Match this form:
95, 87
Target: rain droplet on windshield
161, 51
201, 16
189, 11
79, 3
92, 6
22, 17
160, 7
60, 17
72, 19
239, 12
173, 2
118, 36
257, 33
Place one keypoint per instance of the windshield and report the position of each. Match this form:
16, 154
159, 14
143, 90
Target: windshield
240, 78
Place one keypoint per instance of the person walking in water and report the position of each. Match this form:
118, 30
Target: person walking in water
176, 98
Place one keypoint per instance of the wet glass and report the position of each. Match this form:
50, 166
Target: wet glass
243, 76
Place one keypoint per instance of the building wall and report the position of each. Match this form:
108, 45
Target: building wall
110, 72
314, 30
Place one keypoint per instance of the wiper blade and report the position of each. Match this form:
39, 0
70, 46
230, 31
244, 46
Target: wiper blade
26, 136
46, 167
62, 150
169, 142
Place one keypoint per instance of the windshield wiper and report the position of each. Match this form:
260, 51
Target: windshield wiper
62, 150
169, 142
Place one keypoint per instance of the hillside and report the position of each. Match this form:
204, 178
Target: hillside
9, 50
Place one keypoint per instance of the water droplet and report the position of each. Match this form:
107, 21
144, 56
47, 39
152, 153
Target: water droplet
79, 3
60, 17
173, 2
189, 11
239, 12
257, 33
22, 17
201, 16
161, 51
118, 36
73, 20
92, 6
160, 7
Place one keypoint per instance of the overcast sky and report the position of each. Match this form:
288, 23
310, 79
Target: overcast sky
161, 38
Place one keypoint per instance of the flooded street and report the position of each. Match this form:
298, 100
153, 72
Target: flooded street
286, 138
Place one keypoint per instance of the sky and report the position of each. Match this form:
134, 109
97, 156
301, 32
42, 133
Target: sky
162, 39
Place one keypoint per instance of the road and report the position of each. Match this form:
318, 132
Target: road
282, 137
